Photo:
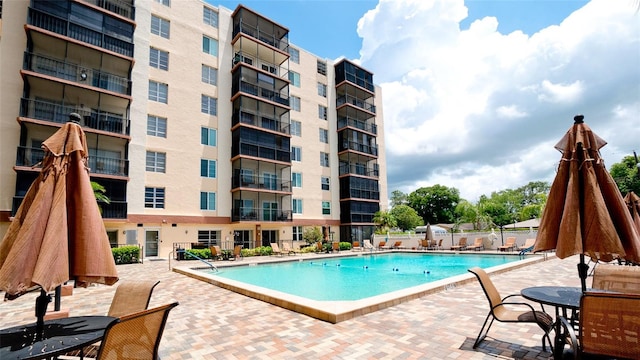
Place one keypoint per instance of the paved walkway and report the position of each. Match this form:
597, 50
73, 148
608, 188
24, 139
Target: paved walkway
213, 323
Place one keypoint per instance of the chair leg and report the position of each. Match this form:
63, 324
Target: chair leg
483, 332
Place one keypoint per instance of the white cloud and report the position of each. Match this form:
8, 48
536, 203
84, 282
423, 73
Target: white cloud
479, 110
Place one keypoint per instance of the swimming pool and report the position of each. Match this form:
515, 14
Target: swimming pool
380, 265
358, 277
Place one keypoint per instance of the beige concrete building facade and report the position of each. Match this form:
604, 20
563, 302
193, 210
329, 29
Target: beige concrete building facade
205, 125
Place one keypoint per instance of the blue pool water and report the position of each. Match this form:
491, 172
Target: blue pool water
358, 277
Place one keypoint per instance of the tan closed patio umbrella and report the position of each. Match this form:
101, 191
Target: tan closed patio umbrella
585, 212
57, 234
428, 235
633, 204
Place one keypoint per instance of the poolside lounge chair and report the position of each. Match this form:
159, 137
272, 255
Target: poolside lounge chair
356, 246
505, 311
368, 246
478, 245
237, 252
335, 246
397, 245
608, 327
382, 245
440, 247
275, 249
286, 247
618, 278
135, 336
510, 244
423, 244
216, 253
462, 244
528, 245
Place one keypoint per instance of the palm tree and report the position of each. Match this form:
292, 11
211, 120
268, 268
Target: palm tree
100, 194
385, 220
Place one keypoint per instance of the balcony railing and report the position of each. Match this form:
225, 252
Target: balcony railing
259, 214
28, 156
358, 169
264, 93
76, 73
266, 37
122, 8
262, 121
260, 182
348, 99
255, 149
363, 148
78, 32
353, 78
358, 124
57, 113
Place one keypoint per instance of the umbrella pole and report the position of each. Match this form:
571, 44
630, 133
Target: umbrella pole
583, 269
42, 302
57, 298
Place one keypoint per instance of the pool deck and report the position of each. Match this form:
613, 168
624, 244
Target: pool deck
215, 323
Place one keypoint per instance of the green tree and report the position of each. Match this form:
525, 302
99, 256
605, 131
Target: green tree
626, 175
100, 194
398, 198
384, 221
435, 204
467, 212
312, 235
406, 217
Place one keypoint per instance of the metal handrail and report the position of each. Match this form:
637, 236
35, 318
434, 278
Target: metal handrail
213, 267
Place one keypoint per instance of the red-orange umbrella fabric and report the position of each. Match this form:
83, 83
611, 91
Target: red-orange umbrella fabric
58, 233
585, 212
633, 204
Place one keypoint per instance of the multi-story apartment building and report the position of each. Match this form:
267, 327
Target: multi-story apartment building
205, 125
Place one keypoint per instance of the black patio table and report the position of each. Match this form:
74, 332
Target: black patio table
59, 337
564, 299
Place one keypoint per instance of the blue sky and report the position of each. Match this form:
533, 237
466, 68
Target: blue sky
476, 93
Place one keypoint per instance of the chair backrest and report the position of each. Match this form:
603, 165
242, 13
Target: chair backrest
487, 286
237, 250
367, 244
135, 336
319, 245
286, 246
529, 243
610, 324
335, 245
275, 247
478, 242
424, 243
462, 241
382, 243
440, 243
624, 279
218, 251
131, 296
356, 244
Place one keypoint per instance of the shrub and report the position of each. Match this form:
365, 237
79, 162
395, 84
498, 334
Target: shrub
308, 249
200, 253
345, 246
126, 254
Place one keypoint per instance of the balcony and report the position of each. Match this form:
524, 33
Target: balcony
263, 121
260, 182
356, 146
116, 37
122, 8
57, 113
31, 157
113, 210
255, 149
280, 42
359, 103
358, 124
261, 92
76, 73
259, 214
358, 169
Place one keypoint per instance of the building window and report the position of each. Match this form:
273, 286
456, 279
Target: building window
322, 112
324, 159
156, 126
207, 200
296, 232
295, 55
156, 161
209, 105
158, 59
322, 89
208, 136
209, 237
322, 67
160, 26
210, 17
208, 168
296, 153
297, 206
324, 183
295, 103
296, 128
209, 45
158, 92
294, 77
209, 75
324, 135
326, 208
296, 180
154, 198
164, 2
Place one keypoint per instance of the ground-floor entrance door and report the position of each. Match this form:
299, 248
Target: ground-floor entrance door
269, 236
152, 238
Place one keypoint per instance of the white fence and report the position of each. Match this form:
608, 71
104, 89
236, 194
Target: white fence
411, 240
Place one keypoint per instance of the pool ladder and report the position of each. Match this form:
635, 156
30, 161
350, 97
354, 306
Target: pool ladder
213, 267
